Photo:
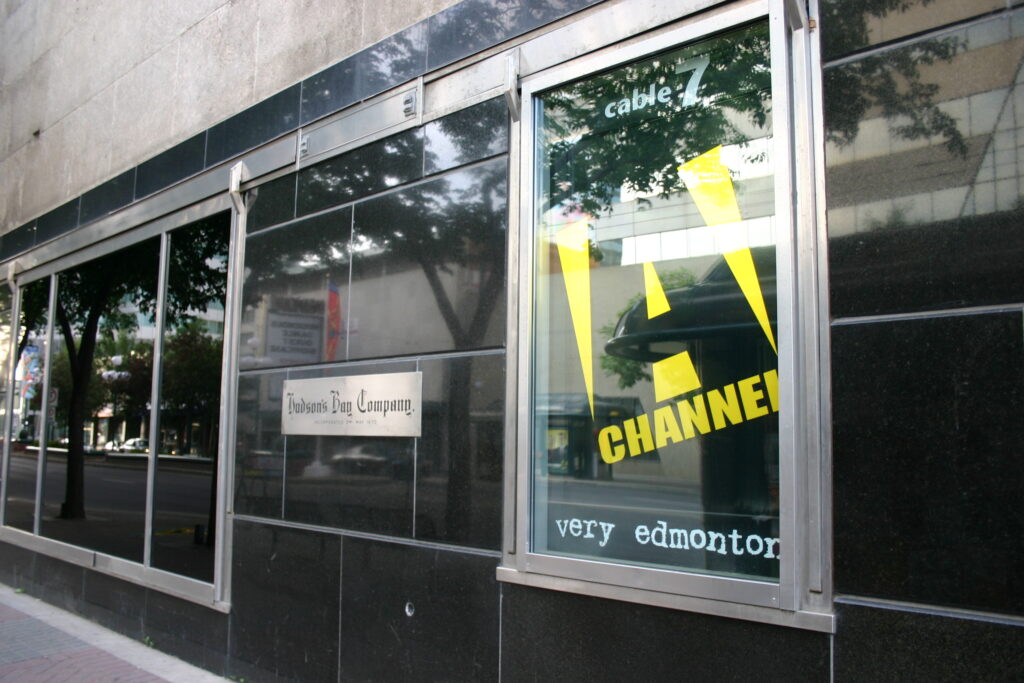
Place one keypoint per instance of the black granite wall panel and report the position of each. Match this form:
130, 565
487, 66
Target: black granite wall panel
284, 619
876, 644
116, 604
57, 583
186, 630
927, 467
552, 636
16, 566
417, 614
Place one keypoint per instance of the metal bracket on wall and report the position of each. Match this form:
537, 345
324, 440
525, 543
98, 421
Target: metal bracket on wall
360, 124
239, 174
512, 86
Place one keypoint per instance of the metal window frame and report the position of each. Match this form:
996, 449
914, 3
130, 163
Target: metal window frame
801, 598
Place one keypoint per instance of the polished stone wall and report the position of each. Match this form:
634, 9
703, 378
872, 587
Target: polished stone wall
925, 168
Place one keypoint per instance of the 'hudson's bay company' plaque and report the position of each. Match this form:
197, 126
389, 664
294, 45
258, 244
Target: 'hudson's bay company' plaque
361, 405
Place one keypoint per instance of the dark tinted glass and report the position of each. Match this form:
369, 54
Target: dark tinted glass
108, 197
259, 445
274, 203
186, 483
473, 25
332, 89
392, 61
850, 25
30, 354
18, 240
294, 296
361, 172
102, 379
57, 222
474, 133
924, 179
259, 123
429, 266
353, 482
166, 168
458, 458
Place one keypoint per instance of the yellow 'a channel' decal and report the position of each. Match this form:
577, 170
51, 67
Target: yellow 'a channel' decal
574, 255
710, 186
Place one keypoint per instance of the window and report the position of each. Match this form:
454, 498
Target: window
116, 412
657, 342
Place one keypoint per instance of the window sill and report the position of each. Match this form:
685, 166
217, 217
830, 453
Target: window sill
811, 621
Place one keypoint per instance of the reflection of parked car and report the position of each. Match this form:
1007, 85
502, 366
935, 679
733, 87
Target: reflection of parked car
136, 445
112, 445
359, 458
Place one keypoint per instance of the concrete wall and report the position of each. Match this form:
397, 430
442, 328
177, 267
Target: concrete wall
89, 88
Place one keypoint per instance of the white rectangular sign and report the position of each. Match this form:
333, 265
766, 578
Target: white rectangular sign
360, 405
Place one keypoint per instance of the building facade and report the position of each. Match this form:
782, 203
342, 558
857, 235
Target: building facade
514, 340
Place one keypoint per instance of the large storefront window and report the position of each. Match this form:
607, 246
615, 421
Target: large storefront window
655, 346
90, 463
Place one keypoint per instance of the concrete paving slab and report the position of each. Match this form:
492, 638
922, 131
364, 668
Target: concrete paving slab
40, 642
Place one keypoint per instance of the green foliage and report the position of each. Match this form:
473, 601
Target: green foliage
592, 157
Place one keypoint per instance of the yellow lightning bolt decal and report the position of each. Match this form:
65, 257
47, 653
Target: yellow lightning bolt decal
742, 265
574, 255
657, 302
710, 185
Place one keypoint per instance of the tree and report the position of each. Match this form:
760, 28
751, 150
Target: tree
111, 294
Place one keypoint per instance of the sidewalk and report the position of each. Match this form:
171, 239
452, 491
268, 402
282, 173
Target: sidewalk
39, 642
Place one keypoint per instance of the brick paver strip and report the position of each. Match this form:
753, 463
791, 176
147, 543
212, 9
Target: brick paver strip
90, 665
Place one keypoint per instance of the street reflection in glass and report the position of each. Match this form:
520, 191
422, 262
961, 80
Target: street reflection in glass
186, 482
259, 445
102, 369
655, 347
5, 346
30, 353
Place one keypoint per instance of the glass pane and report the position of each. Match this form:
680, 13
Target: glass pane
295, 294
98, 436
186, 483
28, 386
354, 482
5, 350
259, 446
428, 266
655, 357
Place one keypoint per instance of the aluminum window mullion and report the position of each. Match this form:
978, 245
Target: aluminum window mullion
10, 370
791, 441
45, 408
229, 395
154, 397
